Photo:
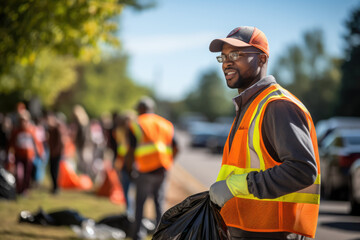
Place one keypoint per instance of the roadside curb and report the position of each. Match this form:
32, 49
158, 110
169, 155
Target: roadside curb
181, 184
189, 182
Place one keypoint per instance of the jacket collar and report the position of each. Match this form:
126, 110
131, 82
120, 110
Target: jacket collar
241, 99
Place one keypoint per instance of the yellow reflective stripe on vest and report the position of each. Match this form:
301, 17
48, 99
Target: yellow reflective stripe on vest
253, 147
136, 129
309, 194
293, 98
122, 150
146, 149
226, 170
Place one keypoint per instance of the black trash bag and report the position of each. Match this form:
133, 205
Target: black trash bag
117, 221
7, 185
195, 218
65, 217
123, 223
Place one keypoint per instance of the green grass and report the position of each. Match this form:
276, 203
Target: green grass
85, 203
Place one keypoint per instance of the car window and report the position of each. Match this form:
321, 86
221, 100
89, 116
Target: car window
353, 140
328, 141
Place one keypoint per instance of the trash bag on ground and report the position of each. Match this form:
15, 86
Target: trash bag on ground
123, 223
65, 217
109, 227
194, 218
68, 178
90, 230
117, 221
111, 187
85, 228
7, 185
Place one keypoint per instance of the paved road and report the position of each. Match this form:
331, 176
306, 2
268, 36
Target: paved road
334, 222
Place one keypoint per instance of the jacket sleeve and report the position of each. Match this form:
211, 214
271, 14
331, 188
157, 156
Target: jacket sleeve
287, 139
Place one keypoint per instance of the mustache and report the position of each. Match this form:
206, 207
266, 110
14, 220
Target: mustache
230, 68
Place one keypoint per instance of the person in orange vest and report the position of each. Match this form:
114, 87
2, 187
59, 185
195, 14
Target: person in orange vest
268, 186
152, 148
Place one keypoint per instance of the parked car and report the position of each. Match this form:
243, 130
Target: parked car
326, 126
339, 151
200, 133
212, 135
217, 141
188, 119
354, 187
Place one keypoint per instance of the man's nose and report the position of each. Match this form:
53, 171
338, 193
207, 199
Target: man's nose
227, 63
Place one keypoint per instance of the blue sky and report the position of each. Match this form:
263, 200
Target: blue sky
169, 44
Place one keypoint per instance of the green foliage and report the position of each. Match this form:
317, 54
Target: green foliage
349, 97
49, 75
311, 74
67, 27
40, 41
103, 88
210, 97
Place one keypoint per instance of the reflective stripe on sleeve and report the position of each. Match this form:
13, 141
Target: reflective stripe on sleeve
309, 194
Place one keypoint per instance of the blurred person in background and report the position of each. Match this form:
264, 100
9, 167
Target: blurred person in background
112, 143
82, 139
122, 123
99, 146
55, 132
40, 162
152, 148
268, 186
4, 140
25, 146
9, 159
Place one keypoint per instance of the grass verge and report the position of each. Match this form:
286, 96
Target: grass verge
85, 203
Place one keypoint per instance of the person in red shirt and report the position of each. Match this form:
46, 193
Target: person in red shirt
24, 145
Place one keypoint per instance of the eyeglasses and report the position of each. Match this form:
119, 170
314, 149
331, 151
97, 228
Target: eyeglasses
233, 56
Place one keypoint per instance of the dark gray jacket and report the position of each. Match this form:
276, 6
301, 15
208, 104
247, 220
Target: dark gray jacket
287, 139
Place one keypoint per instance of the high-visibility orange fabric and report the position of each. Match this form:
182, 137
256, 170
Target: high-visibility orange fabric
69, 179
156, 131
111, 187
262, 215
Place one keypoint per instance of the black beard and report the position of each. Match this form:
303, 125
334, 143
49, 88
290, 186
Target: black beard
242, 83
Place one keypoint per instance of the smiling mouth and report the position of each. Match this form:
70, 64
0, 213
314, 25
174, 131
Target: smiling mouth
229, 74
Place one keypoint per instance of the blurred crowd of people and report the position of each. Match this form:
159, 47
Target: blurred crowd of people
31, 146
139, 147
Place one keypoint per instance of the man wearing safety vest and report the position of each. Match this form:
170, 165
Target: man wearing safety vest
268, 186
122, 122
152, 148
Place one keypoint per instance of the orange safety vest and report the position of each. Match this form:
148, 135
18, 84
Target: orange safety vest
154, 136
295, 212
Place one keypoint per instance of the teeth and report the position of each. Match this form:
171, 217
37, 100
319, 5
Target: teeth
229, 73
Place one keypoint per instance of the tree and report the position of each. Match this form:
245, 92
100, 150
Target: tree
40, 41
210, 97
103, 88
311, 74
349, 97
66, 27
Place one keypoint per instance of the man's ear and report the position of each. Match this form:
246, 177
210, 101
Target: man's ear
262, 59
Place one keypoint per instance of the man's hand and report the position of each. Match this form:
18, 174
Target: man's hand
222, 191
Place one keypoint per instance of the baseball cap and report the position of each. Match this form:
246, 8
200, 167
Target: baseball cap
242, 37
146, 102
